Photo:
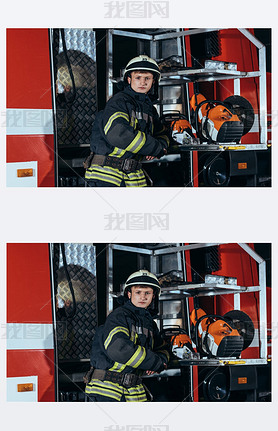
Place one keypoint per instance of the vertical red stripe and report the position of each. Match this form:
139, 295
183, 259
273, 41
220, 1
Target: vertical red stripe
28, 284
29, 87
195, 169
28, 69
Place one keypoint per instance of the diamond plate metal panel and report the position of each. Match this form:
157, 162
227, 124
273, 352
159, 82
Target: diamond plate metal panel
75, 118
81, 254
74, 334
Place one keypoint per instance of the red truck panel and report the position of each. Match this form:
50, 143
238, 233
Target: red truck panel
236, 48
29, 87
34, 363
28, 69
235, 262
27, 148
28, 281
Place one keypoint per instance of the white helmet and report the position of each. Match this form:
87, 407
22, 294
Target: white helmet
144, 278
142, 62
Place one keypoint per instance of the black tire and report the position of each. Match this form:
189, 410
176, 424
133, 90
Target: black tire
216, 387
215, 171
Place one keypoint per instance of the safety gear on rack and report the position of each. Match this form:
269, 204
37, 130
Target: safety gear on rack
144, 63
216, 335
223, 122
144, 278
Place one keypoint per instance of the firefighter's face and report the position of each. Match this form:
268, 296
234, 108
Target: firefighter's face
141, 82
141, 296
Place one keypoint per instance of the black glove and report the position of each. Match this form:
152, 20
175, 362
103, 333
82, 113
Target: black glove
161, 366
161, 153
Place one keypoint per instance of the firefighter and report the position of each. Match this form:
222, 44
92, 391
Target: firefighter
128, 344
128, 131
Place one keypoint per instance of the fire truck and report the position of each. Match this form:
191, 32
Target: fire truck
58, 294
58, 79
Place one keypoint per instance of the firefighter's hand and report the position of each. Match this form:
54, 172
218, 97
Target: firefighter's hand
149, 157
149, 373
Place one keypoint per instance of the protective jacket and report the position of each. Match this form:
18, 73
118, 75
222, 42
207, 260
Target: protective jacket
128, 342
128, 128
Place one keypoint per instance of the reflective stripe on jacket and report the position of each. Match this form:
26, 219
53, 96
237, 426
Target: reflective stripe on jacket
115, 391
115, 176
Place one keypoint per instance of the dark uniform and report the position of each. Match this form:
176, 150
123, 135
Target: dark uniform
128, 344
128, 128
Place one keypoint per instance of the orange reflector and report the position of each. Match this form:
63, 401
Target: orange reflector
242, 380
25, 387
242, 165
25, 173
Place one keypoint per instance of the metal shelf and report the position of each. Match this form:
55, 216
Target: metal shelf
203, 75
183, 76
217, 362
205, 289
175, 365
229, 146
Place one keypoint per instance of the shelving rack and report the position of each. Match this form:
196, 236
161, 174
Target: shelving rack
183, 77
185, 290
